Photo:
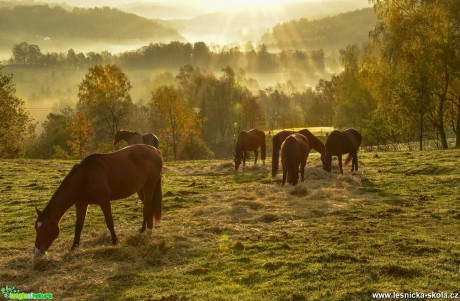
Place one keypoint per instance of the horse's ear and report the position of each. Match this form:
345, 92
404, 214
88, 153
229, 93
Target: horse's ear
38, 211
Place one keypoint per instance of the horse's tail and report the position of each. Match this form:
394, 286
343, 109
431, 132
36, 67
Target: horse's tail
291, 157
157, 201
275, 157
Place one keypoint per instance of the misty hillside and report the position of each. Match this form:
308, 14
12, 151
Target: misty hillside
56, 24
328, 33
161, 11
242, 25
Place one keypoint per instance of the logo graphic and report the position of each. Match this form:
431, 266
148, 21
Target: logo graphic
12, 293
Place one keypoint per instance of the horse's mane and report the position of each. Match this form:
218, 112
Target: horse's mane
314, 142
130, 133
63, 185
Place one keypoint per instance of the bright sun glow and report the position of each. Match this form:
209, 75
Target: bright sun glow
226, 5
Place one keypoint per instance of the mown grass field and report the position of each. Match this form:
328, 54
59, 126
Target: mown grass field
393, 226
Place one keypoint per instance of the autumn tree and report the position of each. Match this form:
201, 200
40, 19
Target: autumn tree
15, 122
105, 100
419, 41
353, 102
176, 119
81, 135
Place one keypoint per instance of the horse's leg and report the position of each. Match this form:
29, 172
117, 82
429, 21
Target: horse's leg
245, 153
284, 175
339, 157
302, 169
256, 154
355, 161
140, 194
147, 223
107, 210
81, 209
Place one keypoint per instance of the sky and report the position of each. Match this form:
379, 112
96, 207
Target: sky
206, 5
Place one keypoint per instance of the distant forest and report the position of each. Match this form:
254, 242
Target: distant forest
333, 32
57, 24
176, 54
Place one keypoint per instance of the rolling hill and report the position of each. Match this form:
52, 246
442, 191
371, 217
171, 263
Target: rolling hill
239, 26
332, 32
56, 26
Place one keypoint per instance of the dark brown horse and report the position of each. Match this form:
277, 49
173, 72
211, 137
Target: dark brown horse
339, 143
294, 153
135, 138
249, 141
99, 179
279, 138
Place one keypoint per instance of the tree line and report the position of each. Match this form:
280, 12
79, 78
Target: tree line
173, 55
195, 113
399, 89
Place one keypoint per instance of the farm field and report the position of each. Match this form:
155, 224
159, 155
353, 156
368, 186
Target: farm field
394, 226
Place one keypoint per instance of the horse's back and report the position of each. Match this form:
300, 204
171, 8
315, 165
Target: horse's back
135, 138
342, 142
302, 141
150, 139
295, 142
256, 138
279, 138
354, 137
123, 172
250, 140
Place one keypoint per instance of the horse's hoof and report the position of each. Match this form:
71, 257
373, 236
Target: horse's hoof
148, 231
75, 246
115, 242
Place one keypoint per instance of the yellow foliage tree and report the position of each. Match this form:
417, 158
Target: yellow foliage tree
176, 119
81, 134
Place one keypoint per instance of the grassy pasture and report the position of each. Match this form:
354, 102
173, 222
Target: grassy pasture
393, 226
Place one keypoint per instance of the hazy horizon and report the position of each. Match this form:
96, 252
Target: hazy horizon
205, 6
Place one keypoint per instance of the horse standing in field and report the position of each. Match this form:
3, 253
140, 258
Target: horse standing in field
339, 143
278, 139
135, 138
99, 179
294, 152
249, 141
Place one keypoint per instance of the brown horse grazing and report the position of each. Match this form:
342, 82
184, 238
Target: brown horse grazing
294, 152
339, 143
279, 138
99, 179
249, 141
135, 138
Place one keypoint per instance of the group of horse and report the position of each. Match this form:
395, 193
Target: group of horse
101, 178
295, 148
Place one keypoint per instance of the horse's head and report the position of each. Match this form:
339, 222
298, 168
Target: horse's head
237, 160
47, 231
